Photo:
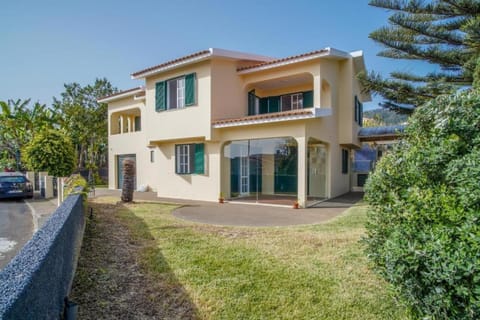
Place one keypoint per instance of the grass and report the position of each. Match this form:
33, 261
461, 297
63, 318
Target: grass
305, 272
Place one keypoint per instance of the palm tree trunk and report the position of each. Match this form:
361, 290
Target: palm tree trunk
128, 180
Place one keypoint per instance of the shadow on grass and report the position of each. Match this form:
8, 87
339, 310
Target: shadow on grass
114, 277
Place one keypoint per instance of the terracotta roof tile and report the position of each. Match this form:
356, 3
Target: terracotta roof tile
264, 116
283, 59
122, 92
165, 64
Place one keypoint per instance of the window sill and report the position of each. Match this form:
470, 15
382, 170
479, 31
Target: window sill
177, 109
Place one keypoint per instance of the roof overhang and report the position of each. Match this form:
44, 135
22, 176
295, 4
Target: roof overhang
155, 143
198, 57
328, 52
359, 66
136, 93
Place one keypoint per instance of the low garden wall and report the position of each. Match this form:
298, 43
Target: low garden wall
35, 283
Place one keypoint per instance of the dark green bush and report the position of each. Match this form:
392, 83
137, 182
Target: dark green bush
423, 229
52, 151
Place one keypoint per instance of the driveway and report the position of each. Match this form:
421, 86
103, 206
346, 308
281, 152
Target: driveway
255, 215
249, 215
16, 228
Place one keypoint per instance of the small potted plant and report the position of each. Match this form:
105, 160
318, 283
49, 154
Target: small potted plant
221, 198
296, 204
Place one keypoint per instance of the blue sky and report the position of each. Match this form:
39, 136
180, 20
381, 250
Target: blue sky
45, 44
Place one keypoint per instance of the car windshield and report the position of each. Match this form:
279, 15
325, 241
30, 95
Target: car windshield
13, 179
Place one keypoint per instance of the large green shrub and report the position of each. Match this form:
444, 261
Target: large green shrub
423, 229
50, 151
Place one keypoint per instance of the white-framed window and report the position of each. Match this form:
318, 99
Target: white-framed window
180, 92
190, 158
152, 156
183, 158
297, 101
292, 101
176, 93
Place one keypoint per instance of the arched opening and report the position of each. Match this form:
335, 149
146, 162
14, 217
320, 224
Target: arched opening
262, 170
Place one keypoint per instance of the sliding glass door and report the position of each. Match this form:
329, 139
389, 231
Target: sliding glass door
262, 167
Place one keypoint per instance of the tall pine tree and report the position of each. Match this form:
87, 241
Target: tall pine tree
445, 33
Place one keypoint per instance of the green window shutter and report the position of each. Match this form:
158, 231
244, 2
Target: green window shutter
273, 104
190, 89
251, 103
263, 105
344, 161
160, 96
356, 109
308, 99
199, 158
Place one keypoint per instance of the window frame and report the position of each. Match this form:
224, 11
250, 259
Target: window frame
182, 158
179, 99
181, 92
186, 158
296, 101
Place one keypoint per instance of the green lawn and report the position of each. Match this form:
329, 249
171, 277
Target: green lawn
306, 272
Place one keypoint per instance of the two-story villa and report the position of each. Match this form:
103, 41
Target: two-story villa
241, 125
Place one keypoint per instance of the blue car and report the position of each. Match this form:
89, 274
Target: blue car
15, 185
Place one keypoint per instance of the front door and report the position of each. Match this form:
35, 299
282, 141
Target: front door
120, 159
317, 171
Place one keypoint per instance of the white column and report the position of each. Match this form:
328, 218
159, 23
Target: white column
48, 187
41, 179
59, 191
121, 124
302, 171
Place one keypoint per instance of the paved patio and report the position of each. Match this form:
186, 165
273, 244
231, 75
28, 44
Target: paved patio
252, 215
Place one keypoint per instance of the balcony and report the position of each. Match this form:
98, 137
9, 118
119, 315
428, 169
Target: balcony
281, 99
125, 121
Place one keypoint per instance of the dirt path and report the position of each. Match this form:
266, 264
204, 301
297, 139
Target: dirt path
110, 283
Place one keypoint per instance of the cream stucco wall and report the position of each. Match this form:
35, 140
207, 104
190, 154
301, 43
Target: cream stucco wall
130, 143
222, 93
188, 186
185, 123
228, 97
